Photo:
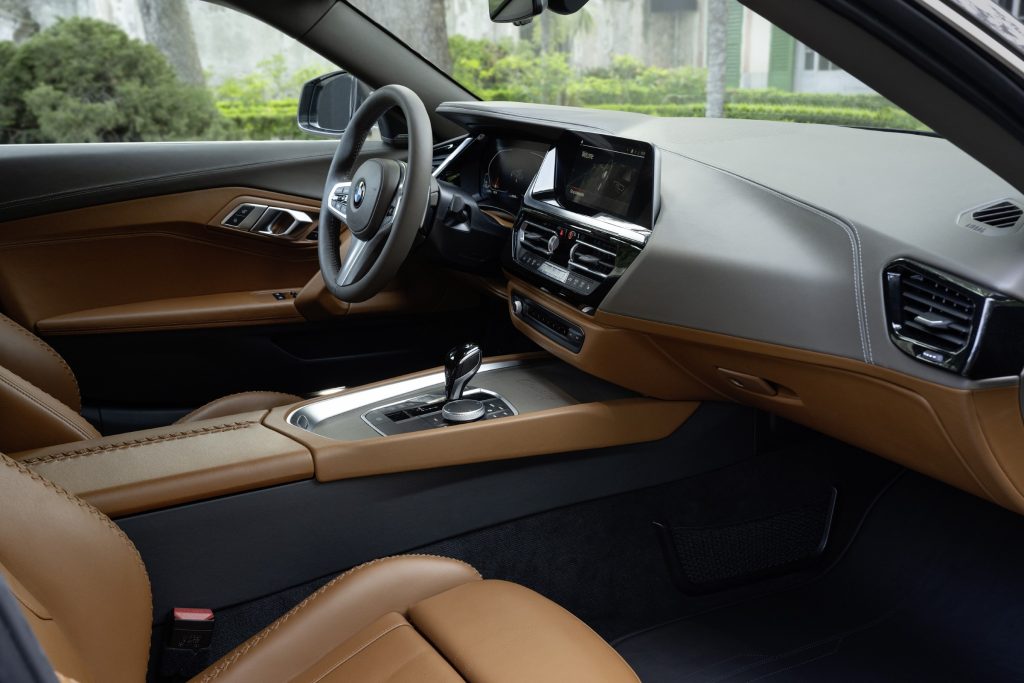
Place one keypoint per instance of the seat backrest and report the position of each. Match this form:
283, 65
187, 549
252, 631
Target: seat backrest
77, 577
35, 361
39, 399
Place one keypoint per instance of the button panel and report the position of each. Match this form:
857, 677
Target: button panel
551, 325
424, 412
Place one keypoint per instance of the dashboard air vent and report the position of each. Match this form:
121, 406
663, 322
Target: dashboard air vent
1000, 215
932, 316
958, 325
593, 256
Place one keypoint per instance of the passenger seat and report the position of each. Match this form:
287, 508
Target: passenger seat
84, 590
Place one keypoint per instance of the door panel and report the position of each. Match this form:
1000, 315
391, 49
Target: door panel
118, 256
143, 250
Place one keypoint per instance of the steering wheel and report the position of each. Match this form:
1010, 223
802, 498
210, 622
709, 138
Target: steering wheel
383, 202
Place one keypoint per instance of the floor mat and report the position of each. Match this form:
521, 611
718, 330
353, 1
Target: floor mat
930, 589
605, 561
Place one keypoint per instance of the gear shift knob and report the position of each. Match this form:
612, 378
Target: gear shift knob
460, 365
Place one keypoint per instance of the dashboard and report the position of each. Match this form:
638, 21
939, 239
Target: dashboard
868, 284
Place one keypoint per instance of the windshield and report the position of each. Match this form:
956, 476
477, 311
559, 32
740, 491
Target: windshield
658, 57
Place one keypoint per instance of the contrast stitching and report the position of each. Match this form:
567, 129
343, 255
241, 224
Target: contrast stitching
49, 349
43, 404
361, 648
135, 443
248, 645
60, 490
852, 234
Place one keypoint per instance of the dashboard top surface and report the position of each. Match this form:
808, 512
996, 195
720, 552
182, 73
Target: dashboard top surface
780, 226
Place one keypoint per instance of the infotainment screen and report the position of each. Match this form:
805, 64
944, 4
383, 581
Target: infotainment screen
601, 174
605, 179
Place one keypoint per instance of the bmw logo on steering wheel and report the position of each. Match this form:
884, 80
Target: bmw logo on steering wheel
357, 196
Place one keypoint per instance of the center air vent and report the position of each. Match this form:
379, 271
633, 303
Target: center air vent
592, 255
994, 218
931, 316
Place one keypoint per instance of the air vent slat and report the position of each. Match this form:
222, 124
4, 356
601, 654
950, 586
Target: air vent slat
999, 215
929, 310
955, 340
592, 259
931, 289
938, 305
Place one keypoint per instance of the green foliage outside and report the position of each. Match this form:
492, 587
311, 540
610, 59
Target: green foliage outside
83, 80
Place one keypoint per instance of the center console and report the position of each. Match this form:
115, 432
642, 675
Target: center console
585, 219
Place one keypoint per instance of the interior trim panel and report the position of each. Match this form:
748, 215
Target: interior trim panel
257, 543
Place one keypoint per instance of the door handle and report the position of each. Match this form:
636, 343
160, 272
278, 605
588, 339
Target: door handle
286, 223
271, 221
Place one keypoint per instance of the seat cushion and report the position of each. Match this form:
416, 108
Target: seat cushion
336, 613
423, 618
245, 402
500, 632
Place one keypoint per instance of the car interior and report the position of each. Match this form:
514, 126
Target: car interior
500, 391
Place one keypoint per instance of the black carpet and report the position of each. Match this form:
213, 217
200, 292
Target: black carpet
605, 562
931, 589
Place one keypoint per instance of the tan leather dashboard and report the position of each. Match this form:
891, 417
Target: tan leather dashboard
971, 439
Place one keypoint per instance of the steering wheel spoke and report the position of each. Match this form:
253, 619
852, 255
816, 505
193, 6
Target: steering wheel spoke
337, 202
361, 255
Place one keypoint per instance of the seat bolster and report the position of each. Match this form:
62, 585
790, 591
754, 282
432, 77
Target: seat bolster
31, 418
337, 612
81, 583
32, 359
498, 632
234, 404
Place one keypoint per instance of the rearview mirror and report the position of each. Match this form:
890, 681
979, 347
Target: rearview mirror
328, 102
516, 12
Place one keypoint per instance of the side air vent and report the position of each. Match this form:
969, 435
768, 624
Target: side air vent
592, 255
994, 218
932, 316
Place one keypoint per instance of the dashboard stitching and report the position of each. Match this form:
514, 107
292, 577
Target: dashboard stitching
857, 262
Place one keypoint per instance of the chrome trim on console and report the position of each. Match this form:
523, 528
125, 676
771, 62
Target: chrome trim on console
309, 416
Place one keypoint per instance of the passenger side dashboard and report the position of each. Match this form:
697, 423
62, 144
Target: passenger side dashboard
766, 278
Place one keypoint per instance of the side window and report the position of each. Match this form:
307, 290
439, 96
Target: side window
147, 70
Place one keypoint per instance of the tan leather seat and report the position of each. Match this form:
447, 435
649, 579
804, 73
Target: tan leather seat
39, 399
84, 590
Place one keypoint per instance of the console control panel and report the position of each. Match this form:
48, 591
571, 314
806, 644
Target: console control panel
551, 325
424, 412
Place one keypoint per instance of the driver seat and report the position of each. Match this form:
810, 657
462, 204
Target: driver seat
40, 403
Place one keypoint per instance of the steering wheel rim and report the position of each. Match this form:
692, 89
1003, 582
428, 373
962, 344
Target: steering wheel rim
382, 203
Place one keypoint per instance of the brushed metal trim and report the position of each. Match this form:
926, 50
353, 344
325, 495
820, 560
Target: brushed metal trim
312, 415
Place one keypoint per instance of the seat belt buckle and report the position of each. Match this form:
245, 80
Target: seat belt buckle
186, 651
191, 628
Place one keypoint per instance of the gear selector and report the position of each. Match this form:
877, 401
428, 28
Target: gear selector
460, 365
459, 404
